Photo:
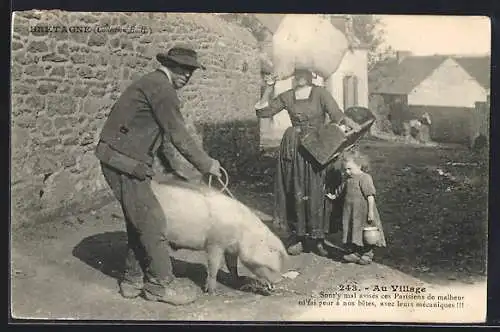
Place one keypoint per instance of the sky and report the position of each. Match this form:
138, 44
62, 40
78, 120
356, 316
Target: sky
425, 35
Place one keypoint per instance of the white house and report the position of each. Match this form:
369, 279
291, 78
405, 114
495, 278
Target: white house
348, 85
446, 87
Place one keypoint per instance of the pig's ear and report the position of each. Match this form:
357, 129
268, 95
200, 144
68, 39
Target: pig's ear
249, 247
257, 251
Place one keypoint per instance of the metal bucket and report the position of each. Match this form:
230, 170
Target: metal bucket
371, 235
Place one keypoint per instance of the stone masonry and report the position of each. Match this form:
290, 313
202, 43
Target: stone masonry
64, 83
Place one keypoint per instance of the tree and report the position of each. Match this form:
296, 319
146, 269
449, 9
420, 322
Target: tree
369, 29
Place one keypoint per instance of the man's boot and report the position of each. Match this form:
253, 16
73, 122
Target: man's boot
180, 291
131, 290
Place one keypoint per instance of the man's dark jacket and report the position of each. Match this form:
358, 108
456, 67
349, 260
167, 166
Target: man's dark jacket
145, 113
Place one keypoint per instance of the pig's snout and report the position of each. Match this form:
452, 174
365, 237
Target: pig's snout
268, 275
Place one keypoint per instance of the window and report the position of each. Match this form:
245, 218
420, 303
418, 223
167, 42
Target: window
350, 86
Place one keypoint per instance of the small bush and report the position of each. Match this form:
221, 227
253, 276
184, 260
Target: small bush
234, 143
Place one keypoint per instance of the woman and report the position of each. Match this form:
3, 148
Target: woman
300, 180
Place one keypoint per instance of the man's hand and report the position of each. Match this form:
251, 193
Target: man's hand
215, 168
351, 124
270, 79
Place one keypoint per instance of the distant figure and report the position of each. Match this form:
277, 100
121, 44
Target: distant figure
420, 128
480, 144
425, 129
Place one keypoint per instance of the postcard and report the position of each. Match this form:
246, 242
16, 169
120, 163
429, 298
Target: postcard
159, 171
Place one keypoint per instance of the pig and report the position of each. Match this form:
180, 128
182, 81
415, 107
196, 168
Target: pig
200, 218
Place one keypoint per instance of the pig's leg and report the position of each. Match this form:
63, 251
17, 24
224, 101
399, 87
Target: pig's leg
232, 266
215, 254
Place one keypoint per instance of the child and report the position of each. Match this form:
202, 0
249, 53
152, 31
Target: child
359, 210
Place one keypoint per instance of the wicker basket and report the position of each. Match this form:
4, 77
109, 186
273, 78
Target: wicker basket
329, 141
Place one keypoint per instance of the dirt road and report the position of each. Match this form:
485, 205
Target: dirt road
69, 272
67, 269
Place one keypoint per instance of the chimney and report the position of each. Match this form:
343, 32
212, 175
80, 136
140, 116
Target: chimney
339, 22
401, 55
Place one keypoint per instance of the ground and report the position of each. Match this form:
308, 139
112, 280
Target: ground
432, 201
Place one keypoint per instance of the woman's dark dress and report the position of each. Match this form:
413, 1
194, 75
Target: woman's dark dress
300, 181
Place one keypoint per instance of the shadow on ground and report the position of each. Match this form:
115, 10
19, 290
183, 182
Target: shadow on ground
106, 252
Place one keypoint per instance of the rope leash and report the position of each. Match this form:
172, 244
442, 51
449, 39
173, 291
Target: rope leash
224, 185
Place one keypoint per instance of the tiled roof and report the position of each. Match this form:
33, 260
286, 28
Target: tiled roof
401, 78
477, 67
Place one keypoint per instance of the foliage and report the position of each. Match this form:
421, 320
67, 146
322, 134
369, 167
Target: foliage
248, 21
369, 29
234, 143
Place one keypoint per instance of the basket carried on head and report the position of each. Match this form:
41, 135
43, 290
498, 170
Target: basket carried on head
307, 41
329, 141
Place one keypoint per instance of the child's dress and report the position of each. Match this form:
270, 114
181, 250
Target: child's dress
355, 211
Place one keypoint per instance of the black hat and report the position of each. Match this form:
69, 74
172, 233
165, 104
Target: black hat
182, 55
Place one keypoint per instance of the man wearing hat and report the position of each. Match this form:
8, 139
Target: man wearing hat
144, 119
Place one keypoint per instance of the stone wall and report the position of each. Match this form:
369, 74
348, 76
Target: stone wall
64, 83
